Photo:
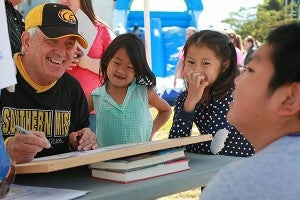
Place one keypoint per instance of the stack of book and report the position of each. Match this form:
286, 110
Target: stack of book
142, 166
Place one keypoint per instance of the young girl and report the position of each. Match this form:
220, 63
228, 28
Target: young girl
210, 67
122, 103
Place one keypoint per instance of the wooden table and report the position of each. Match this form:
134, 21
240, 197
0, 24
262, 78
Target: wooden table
203, 168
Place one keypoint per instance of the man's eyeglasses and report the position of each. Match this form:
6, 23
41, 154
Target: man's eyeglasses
5, 184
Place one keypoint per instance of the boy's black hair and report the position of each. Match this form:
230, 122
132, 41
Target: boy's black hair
225, 50
135, 49
285, 43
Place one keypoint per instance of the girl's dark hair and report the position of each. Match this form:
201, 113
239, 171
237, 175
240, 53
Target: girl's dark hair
285, 43
87, 8
225, 50
135, 49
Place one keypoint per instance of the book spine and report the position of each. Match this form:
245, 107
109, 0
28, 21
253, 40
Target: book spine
142, 174
136, 180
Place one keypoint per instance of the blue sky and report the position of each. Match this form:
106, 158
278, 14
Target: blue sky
217, 10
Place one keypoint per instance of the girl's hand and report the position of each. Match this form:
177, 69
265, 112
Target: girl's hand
196, 85
76, 58
85, 62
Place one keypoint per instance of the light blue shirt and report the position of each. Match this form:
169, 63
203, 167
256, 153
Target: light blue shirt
123, 123
273, 173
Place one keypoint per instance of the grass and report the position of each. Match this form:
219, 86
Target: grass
162, 134
187, 195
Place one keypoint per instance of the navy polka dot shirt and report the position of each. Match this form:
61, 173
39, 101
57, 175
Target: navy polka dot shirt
209, 119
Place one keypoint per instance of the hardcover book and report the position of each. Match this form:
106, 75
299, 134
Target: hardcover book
141, 160
142, 173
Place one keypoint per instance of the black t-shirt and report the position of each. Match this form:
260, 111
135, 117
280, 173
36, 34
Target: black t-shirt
57, 112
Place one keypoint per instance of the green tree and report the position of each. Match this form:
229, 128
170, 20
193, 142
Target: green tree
258, 21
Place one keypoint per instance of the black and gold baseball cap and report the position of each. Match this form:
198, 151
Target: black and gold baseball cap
55, 21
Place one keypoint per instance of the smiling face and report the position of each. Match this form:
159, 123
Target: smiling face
46, 59
201, 59
120, 70
253, 108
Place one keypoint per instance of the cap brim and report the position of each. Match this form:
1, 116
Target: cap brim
55, 32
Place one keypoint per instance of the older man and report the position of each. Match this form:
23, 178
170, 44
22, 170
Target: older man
47, 101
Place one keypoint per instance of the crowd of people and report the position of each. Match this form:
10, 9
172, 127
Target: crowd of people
244, 48
58, 88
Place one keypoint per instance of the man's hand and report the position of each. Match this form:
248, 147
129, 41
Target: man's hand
83, 139
22, 147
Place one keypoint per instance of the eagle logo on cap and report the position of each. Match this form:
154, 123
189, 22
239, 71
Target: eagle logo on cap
67, 16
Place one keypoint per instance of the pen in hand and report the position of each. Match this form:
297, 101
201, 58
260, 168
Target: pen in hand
78, 139
19, 128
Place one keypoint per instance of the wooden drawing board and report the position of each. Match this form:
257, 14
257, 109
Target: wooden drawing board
78, 158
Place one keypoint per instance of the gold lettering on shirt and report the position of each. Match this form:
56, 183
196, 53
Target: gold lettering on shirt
34, 119
62, 123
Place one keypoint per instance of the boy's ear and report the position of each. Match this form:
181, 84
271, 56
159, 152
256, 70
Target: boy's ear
290, 103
